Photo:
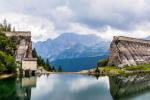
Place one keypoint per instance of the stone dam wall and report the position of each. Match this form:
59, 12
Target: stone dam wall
23, 54
23, 43
129, 51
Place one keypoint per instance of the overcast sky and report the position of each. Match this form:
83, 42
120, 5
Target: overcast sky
105, 18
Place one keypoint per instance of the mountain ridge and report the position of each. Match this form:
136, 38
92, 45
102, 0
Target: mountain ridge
71, 45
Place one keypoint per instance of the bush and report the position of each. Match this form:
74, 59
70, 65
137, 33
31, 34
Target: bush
102, 63
7, 50
138, 67
112, 69
6, 45
7, 63
2, 67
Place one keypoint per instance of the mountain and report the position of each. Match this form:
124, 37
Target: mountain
147, 38
71, 45
77, 64
72, 51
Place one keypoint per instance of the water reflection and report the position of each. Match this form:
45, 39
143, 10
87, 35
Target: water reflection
8, 89
17, 88
24, 86
133, 87
76, 87
71, 87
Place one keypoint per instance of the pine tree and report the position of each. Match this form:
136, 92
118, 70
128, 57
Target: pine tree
60, 69
34, 53
9, 27
41, 62
53, 69
48, 65
14, 29
5, 26
97, 70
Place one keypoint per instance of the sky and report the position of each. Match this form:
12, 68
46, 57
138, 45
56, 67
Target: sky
104, 18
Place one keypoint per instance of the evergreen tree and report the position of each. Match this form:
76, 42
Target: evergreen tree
5, 26
60, 69
97, 70
14, 29
9, 27
1, 27
53, 69
34, 53
48, 65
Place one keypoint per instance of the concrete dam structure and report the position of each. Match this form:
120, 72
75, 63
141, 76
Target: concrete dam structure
129, 51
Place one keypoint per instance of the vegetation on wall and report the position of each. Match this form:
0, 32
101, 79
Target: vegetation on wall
7, 53
7, 50
6, 45
7, 63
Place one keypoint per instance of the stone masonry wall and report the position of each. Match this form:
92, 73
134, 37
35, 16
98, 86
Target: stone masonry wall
23, 43
129, 51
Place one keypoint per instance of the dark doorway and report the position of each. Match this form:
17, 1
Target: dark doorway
33, 73
27, 73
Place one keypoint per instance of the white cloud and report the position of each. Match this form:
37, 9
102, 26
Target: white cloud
106, 18
103, 81
109, 32
41, 28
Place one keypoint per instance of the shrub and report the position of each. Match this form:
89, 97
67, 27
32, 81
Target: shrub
102, 63
7, 63
112, 69
138, 67
6, 45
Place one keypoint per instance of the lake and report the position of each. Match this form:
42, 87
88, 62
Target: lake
76, 87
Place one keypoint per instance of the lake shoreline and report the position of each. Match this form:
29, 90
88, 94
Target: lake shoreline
85, 72
6, 75
103, 74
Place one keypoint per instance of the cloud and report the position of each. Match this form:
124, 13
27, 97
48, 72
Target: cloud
120, 14
105, 18
41, 28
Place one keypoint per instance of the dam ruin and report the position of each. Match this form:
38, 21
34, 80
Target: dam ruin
23, 54
129, 51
